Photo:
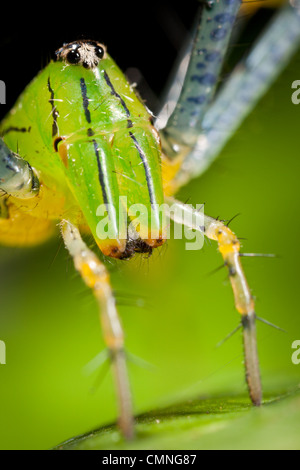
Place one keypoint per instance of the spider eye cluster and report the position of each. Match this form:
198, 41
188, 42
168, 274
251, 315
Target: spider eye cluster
84, 52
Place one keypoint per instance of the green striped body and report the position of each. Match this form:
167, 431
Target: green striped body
85, 132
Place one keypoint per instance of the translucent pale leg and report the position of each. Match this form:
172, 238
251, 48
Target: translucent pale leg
95, 276
229, 247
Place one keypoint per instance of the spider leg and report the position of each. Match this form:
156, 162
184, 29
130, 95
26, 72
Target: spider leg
95, 276
17, 178
210, 125
229, 247
210, 44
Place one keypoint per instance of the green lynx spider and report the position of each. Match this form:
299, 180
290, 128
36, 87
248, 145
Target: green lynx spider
100, 141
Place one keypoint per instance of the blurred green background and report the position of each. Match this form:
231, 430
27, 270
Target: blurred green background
49, 320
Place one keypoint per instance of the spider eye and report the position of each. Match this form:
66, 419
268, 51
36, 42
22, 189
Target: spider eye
99, 51
73, 57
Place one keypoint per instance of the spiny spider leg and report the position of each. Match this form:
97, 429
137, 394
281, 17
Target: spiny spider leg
210, 44
229, 247
95, 276
215, 124
217, 121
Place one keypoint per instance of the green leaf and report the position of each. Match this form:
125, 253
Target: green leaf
211, 423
